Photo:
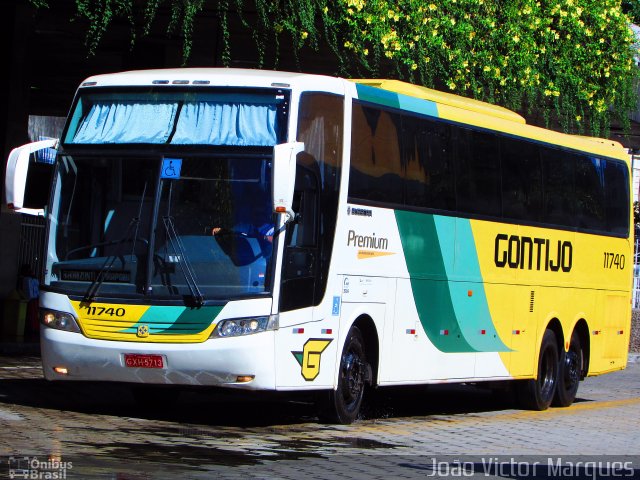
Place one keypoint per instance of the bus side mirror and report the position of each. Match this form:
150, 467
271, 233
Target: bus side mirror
283, 176
15, 184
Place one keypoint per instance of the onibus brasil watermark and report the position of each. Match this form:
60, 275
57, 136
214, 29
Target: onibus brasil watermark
36, 468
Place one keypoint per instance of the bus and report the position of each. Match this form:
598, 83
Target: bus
273, 231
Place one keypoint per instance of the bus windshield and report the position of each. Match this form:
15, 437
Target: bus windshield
249, 117
196, 226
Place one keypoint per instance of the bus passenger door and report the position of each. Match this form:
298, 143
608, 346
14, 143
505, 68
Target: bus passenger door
300, 263
305, 351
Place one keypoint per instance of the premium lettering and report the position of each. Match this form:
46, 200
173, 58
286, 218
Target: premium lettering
527, 253
367, 241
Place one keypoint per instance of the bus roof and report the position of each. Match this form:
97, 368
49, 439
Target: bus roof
444, 98
491, 116
495, 117
231, 77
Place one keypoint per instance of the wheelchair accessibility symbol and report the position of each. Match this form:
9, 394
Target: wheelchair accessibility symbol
171, 168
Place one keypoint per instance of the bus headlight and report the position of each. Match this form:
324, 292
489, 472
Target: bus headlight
59, 320
235, 327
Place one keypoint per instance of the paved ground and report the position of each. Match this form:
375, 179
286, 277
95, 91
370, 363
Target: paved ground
103, 433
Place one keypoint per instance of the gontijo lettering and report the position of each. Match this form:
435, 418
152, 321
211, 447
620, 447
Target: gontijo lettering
533, 253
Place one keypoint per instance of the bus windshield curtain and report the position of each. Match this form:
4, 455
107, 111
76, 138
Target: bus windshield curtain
214, 123
127, 122
202, 123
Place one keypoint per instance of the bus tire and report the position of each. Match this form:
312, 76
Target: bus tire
569, 373
343, 404
537, 394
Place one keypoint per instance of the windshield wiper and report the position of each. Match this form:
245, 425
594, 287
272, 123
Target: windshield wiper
183, 260
134, 224
92, 291
137, 219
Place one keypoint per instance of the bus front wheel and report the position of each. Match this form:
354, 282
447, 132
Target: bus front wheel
569, 374
343, 404
537, 394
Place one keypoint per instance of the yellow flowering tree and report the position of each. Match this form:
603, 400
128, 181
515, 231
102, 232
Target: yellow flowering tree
570, 61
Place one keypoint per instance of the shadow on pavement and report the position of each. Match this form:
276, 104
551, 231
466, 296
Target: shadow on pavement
220, 407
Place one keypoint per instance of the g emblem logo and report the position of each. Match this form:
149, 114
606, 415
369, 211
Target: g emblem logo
309, 357
143, 331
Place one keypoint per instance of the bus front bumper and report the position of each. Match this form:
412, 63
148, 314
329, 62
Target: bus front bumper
245, 362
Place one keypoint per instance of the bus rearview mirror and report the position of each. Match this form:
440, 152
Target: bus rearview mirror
16, 176
283, 176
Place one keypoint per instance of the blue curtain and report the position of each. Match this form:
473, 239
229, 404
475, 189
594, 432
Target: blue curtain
218, 123
199, 122
127, 122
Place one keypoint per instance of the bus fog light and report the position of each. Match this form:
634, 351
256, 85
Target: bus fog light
59, 320
244, 378
61, 370
235, 327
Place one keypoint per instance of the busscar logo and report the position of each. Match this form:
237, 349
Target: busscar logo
309, 357
360, 212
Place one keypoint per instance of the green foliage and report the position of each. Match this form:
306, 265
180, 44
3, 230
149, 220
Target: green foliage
631, 8
570, 60
100, 13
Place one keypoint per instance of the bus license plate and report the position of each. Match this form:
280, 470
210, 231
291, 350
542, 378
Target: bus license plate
135, 360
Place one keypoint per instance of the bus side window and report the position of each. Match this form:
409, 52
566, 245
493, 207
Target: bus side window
616, 179
305, 226
558, 178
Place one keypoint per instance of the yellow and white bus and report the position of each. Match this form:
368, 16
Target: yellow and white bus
280, 231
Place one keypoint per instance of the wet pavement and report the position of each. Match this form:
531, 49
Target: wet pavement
85, 430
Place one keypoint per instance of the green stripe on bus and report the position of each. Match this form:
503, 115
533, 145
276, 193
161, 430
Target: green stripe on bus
429, 283
193, 320
443, 267
176, 320
463, 271
396, 100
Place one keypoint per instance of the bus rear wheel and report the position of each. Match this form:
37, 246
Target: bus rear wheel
538, 393
569, 374
343, 403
